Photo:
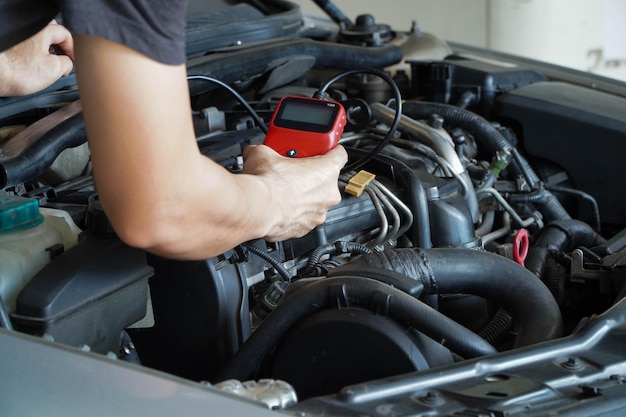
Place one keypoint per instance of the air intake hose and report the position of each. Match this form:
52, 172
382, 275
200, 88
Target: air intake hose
535, 312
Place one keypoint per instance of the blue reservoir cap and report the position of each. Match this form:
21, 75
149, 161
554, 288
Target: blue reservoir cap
18, 213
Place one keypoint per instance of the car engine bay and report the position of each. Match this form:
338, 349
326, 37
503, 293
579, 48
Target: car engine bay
474, 266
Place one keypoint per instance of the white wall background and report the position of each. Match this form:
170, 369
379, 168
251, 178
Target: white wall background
589, 35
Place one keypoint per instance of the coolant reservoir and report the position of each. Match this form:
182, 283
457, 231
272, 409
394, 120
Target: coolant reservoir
28, 235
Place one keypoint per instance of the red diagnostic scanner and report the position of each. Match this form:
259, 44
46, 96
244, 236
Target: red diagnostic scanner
303, 126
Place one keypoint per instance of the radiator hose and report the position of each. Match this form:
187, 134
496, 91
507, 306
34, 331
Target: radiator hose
563, 235
535, 312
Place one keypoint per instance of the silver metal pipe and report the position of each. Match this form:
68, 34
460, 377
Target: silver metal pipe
437, 139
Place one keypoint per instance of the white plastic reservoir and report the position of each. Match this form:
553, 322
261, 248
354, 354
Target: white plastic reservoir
29, 238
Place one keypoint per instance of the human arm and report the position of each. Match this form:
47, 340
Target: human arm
30, 66
158, 191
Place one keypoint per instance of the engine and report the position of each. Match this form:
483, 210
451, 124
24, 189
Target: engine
481, 213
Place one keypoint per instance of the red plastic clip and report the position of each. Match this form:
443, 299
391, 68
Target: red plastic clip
520, 246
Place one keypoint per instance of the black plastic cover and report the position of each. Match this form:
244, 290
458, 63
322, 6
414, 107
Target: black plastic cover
447, 81
239, 23
87, 296
572, 126
200, 313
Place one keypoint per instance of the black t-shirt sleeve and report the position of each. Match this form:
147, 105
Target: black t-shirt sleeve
155, 28
20, 19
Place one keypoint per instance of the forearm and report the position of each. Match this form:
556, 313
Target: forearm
197, 214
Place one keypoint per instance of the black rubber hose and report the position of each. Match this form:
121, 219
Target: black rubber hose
562, 235
258, 60
37, 157
470, 271
553, 209
583, 196
10, 106
477, 126
358, 291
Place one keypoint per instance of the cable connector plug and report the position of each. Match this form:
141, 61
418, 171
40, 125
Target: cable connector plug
356, 185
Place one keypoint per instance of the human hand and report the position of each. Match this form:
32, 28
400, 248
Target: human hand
37, 62
301, 190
